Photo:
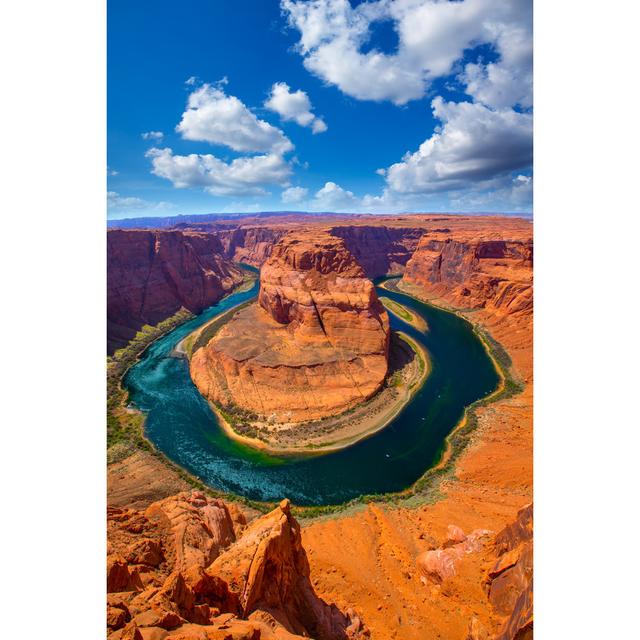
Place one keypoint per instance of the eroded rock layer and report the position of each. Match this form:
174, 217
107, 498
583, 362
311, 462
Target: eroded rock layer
152, 274
493, 272
190, 567
314, 345
380, 250
251, 245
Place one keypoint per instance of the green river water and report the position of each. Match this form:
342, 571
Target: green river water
181, 425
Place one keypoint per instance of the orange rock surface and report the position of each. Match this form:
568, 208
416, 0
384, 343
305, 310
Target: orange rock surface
315, 345
371, 557
492, 271
190, 567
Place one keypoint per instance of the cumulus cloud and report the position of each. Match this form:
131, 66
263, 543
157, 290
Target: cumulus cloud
294, 105
332, 197
153, 135
432, 35
318, 126
242, 176
294, 194
475, 145
509, 81
117, 202
212, 116
480, 145
511, 194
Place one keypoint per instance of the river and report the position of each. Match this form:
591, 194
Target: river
180, 423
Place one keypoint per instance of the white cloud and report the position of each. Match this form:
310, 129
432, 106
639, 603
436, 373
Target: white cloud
112, 172
509, 81
153, 135
242, 176
432, 37
319, 126
294, 106
512, 194
116, 202
480, 145
475, 145
212, 116
332, 197
294, 194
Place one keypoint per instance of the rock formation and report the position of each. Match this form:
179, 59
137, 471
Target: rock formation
251, 245
494, 273
510, 580
315, 345
189, 567
152, 274
437, 565
380, 250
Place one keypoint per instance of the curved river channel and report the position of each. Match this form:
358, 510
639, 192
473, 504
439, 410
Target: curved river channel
181, 425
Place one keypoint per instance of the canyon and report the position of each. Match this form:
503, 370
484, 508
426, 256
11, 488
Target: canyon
456, 566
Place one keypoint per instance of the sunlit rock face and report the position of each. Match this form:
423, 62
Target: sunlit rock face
314, 345
492, 272
192, 567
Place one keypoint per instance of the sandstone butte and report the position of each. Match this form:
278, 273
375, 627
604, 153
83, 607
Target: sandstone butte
314, 345
457, 568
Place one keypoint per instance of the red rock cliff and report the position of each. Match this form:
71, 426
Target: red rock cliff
493, 273
380, 250
251, 245
152, 274
315, 345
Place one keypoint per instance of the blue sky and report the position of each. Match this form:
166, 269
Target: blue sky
325, 105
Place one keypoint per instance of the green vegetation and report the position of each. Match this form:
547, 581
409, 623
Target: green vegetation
124, 426
397, 308
404, 313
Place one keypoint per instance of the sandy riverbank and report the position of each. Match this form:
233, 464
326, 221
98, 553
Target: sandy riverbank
404, 313
409, 368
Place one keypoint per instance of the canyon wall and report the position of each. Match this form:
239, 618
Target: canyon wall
314, 345
491, 273
474, 586
380, 250
251, 245
152, 274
